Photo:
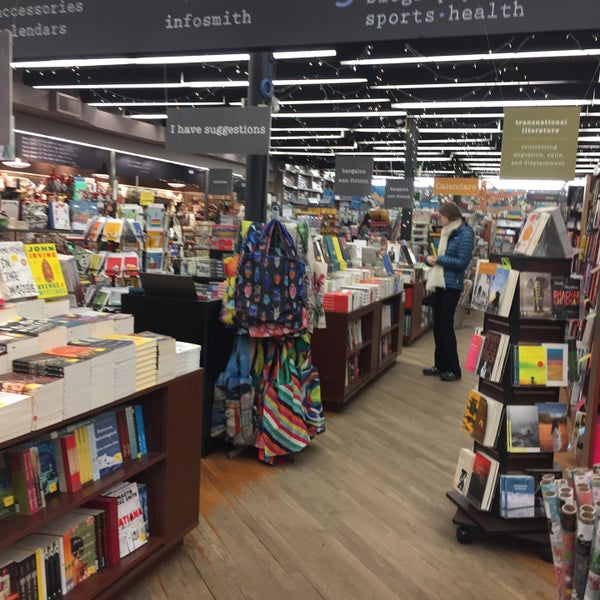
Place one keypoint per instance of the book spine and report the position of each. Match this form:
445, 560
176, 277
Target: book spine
124, 435
133, 440
72, 473
60, 463
141, 430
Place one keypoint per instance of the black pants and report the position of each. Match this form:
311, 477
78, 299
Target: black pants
444, 307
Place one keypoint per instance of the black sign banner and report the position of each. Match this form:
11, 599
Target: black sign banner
78, 28
399, 193
57, 152
353, 175
219, 130
220, 182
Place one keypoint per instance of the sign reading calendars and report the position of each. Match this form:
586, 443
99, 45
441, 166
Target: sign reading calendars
219, 130
456, 186
540, 143
7, 142
353, 175
399, 193
220, 182
46, 269
78, 28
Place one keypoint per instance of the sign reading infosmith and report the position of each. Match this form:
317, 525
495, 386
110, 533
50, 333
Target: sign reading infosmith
75, 28
219, 130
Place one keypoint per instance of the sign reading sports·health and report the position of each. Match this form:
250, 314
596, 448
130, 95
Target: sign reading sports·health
353, 175
399, 193
219, 130
68, 28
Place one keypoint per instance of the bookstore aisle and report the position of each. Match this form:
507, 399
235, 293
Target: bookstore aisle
361, 514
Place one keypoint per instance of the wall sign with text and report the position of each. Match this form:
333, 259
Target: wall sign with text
399, 193
353, 175
75, 28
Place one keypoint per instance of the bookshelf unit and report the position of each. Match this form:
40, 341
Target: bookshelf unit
171, 471
521, 331
418, 316
345, 367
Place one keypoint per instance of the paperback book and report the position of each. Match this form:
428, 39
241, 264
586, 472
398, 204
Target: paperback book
552, 425
517, 496
493, 357
535, 295
484, 477
482, 418
522, 428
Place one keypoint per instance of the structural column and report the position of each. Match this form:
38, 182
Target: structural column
260, 90
411, 165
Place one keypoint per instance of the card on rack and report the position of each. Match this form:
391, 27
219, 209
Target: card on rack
58, 215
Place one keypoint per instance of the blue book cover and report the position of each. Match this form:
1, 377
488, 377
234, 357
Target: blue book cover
108, 446
143, 495
141, 431
47, 466
519, 496
82, 211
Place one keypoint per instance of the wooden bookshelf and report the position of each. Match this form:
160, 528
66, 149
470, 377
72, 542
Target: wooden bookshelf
421, 319
172, 413
333, 355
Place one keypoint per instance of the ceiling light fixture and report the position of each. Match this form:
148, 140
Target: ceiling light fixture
472, 84
164, 60
16, 163
374, 114
311, 129
497, 103
152, 104
176, 184
149, 116
332, 136
459, 130
482, 56
335, 101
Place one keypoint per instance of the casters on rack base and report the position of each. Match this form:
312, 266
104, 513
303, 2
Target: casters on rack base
464, 535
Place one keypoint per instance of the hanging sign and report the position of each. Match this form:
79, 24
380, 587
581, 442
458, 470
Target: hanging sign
146, 198
353, 175
540, 142
220, 182
78, 28
399, 193
456, 186
7, 142
219, 130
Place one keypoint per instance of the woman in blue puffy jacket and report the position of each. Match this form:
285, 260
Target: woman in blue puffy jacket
445, 282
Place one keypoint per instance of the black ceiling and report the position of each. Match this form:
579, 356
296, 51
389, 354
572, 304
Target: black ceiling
578, 79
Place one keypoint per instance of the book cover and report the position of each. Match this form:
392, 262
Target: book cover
557, 364
46, 270
482, 284
113, 266
16, 278
566, 297
522, 428
483, 481
82, 211
535, 294
552, 425
475, 416
48, 467
108, 445
518, 496
531, 233
492, 357
94, 228
58, 215
111, 522
530, 364
474, 352
113, 228
83, 547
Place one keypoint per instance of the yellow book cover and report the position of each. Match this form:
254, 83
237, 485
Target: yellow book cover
338, 253
46, 270
532, 365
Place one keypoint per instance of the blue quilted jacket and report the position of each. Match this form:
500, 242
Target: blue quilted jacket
457, 257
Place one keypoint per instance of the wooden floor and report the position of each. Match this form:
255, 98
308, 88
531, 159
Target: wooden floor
361, 514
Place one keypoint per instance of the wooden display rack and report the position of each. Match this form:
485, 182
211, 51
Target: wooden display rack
172, 413
415, 309
520, 330
331, 353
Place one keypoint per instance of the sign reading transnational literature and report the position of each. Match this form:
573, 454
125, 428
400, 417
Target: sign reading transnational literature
353, 175
78, 28
456, 186
219, 130
540, 142
46, 270
399, 193
220, 182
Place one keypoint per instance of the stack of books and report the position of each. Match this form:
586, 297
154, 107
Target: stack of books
145, 359
47, 332
15, 415
188, 357
166, 355
16, 345
46, 394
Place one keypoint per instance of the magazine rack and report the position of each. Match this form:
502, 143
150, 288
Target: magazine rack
521, 331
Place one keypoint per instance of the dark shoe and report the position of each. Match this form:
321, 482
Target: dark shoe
449, 376
431, 371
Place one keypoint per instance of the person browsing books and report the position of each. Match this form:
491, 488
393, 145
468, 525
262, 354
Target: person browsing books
445, 283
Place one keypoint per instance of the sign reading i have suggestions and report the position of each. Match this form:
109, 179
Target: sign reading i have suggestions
219, 130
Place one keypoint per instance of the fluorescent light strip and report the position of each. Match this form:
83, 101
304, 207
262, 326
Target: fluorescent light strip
424, 141
335, 101
149, 116
164, 60
277, 153
311, 129
153, 104
459, 130
335, 115
497, 103
483, 56
332, 136
462, 116
375, 130
77, 143
473, 84
197, 84
311, 148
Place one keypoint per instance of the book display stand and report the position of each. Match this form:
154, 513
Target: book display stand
372, 345
521, 331
172, 411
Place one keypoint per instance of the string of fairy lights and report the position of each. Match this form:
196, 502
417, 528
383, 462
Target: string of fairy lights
366, 115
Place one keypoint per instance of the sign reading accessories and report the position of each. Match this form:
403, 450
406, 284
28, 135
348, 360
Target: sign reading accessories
353, 175
219, 130
66, 28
